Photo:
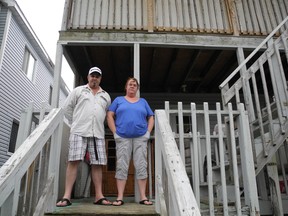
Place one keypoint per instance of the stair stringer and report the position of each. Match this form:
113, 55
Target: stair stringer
278, 140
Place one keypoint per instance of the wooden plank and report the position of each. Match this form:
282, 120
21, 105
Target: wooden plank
193, 20
148, 18
284, 10
271, 13
208, 158
199, 15
234, 165
218, 17
254, 21
90, 14
247, 163
259, 15
247, 17
167, 25
265, 15
186, 18
241, 17
97, 15
118, 6
229, 20
173, 15
76, 13
111, 12
124, 14
206, 15
138, 14
212, 15
181, 131
179, 15
104, 14
83, 14
278, 14
159, 15
131, 15
197, 173
286, 5
222, 152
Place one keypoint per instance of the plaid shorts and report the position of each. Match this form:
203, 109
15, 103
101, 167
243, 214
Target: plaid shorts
78, 146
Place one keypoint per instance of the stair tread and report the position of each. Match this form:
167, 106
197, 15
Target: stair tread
85, 206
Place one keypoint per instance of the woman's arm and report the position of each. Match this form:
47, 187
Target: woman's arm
150, 123
111, 121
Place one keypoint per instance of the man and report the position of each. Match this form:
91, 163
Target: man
85, 108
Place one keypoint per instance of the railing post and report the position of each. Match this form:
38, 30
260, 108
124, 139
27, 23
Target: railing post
247, 163
25, 125
53, 170
158, 168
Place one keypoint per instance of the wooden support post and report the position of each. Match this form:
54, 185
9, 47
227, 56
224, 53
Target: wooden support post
274, 187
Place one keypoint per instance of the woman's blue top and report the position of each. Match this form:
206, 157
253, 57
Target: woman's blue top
131, 118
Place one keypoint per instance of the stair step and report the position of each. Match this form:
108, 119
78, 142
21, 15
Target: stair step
85, 207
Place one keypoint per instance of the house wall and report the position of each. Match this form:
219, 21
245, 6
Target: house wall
16, 89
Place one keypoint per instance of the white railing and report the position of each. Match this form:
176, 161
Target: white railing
260, 83
173, 188
219, 162
29, 178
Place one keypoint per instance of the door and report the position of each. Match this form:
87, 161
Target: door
109, 181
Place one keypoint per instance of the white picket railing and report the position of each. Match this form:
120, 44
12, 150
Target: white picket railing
219, 162
29, 178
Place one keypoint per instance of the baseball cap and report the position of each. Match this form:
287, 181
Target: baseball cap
95, 70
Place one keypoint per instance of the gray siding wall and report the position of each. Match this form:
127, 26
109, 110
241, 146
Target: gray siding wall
16, 89
3, 15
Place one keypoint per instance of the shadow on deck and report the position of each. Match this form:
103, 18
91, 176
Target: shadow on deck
85, 207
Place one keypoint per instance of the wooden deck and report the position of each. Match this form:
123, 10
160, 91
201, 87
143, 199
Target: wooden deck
85, 206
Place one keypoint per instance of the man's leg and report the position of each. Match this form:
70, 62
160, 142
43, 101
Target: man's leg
71, 174
97, 180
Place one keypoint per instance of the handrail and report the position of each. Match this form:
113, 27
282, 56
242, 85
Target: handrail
17, 173
179, 193
253, 53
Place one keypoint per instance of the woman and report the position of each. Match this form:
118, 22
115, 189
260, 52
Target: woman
131, 121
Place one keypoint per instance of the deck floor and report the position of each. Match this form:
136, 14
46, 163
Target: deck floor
85, 206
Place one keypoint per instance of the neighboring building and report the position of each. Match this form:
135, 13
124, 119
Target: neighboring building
26, 74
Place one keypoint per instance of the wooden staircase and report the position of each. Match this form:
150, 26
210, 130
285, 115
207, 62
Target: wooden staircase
262, 86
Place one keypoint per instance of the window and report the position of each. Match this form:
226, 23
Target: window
28, 64
13, 136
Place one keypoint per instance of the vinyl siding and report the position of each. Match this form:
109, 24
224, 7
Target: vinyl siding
16, 89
